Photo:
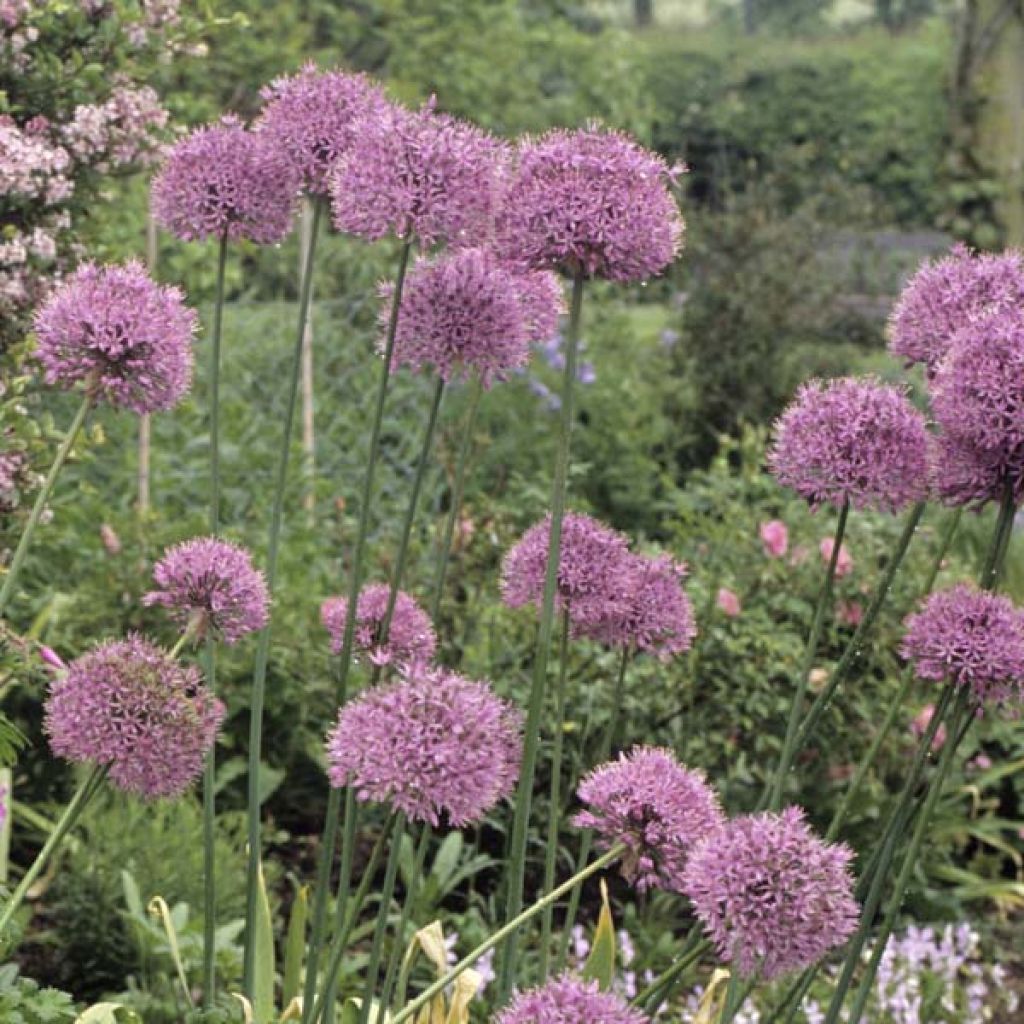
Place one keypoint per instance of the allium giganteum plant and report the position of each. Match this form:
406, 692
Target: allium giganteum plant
496, 241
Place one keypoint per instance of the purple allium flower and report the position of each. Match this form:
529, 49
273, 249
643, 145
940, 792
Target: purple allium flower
211, 585
965, 475
654, 615
128, 704
569, 999
127, 339
411, 637
773, 896
970, 637
310, 116
417, 174
590, 200
852, 440
432, 744
592, 560
468, 311
656, 806
945, 296
224, 178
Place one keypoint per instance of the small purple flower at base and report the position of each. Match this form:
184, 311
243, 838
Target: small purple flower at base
211, 585
411, 637
311, 118
429, 745
128, 705
655, 806
127, 339
417, 174
467, 311
590, 201
852, 440
773, 897
569, 999
224, 179
592, 560
972, 638
945, 296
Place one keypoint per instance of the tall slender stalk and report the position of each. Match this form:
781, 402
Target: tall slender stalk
652, 998
263, 651
63, 450
810, 652
350, 824
524, 794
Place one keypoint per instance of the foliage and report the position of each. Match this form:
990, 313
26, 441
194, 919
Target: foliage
22, 1001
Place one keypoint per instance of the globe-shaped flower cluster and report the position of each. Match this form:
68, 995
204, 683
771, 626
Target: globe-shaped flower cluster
569, 999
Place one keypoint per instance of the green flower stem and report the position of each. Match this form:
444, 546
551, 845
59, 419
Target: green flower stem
516, 877
63, 450
736, 995
555, 798
810, 652
263, 651
652, 998
458, 487
215, 340
505, 932
350, 820
64, 824
316, 937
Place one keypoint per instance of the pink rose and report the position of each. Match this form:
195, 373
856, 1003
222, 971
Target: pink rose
844, 563
728, 602
775, 538
919, 726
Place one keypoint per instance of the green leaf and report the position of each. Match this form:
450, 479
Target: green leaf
263, 943
600, 965
447, 858
295, 945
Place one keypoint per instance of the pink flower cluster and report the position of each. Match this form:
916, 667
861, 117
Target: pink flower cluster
31, 166
568, 999
121, 130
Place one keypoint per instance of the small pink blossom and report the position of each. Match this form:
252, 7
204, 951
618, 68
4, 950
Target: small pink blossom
775, 538
849, 613
51, 657
110, 540
980, 763
920, 723
844, 563
728, 602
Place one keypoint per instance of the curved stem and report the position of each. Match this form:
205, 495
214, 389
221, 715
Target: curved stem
263, 651
652, 998
516, 877
63, 450
505, 931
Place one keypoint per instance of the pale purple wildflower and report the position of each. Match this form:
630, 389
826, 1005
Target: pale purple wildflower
855, 440
128, 705
211, 585
593, 202
127, 339
569, 999
654, 805
411, 637
971, 638
225, 180
965, 475
432, 744
773, 896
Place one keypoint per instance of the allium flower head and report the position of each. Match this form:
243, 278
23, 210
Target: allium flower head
226, 179
417, 174
468, 311
590, 200
432, 744
773, 896
970, 637
654, 614
963, 474
129, 705
592, 559
410, 639
852, 440
310, 117
656, 806
945, 296
211, 585
126, 338
569, 999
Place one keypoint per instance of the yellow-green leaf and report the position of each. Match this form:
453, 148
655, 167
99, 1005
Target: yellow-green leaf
263, 946
600, 965
295, 946
158, 908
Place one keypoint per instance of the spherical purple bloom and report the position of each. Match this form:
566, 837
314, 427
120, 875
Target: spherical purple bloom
773, 896
129, 705
853, 440
209, 584
127, 339
654, 805
590, 575
945, 296
592, 201
432, 744
654, 614
310, 117
569, 999
970, 637
224, 179
468, 311
963, 474
411, 637
417, 174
